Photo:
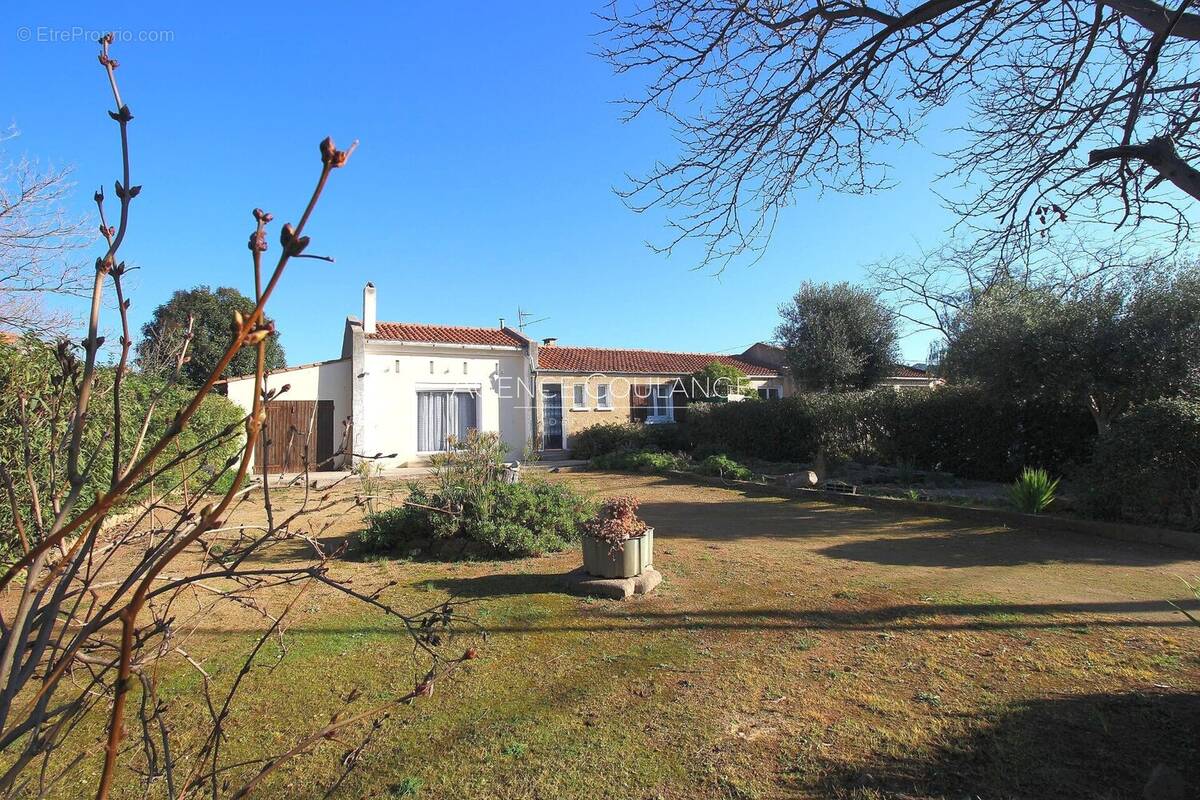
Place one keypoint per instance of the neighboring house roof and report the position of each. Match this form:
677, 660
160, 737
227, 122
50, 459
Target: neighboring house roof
905, 371
768, 355
444, 334
282, 370
647, 362
773, 355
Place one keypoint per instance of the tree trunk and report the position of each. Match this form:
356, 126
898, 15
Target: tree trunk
1160, 154
1102, 417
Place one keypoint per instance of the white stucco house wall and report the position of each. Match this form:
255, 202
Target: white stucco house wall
396, 392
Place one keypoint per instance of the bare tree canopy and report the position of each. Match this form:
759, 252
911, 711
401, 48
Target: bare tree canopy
929, 289
1077, 110
37, 244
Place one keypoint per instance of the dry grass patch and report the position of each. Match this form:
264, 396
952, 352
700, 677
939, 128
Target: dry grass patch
795, 650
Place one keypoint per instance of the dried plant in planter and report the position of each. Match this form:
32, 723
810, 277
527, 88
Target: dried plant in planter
616, 522
99, 609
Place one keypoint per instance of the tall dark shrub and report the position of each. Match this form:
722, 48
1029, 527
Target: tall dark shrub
956, 429
1146, 467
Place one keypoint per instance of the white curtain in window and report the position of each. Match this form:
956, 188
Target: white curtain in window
442, 414
465, 414
433, 419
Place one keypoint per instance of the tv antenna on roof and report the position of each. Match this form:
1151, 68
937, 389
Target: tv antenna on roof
523, 318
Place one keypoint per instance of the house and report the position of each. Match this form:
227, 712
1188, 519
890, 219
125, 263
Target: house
900, 377
582, 386
400, 391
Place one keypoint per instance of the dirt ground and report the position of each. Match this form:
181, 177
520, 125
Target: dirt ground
795, 649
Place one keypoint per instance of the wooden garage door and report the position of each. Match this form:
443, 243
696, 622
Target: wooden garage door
298, 434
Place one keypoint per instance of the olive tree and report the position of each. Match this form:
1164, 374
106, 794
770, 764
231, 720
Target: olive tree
837, 336
1106, 347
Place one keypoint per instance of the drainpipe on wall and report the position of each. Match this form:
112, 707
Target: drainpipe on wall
531, 350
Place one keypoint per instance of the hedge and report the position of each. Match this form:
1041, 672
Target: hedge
1146, 466
28, 373
953, 429
619, 437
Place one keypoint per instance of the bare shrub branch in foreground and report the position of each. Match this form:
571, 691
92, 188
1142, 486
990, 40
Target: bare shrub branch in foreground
98, 609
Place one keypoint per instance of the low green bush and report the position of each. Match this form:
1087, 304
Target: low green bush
669, 437
617, 437
528, 519
642, 461
722, 466
611, 437
502, 521
1146, 467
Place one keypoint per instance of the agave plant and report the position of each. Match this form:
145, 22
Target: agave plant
1033, 490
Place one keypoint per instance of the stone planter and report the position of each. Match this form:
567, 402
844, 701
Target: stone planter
631, 559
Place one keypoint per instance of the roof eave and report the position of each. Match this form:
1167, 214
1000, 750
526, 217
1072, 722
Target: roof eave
402, 343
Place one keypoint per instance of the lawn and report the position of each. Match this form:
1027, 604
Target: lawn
795, 649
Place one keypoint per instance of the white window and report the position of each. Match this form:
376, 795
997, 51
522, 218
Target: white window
579, 400
603, 398
770, 392
661, 408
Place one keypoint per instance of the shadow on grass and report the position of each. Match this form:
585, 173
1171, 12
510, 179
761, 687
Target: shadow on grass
1077, 746
641, 616
880, 536
894, 618
1005, 548
500, 584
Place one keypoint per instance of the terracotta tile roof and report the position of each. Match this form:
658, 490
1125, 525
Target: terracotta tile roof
905, 371
650, 362
444, 334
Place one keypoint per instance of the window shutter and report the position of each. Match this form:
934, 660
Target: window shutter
639, 401
679, 399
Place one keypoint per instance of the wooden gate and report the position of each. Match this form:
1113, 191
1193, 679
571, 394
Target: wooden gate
298, 435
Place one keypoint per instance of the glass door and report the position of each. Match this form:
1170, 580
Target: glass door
552, 416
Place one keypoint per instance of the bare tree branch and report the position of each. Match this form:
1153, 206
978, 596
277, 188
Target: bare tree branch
771, 99
37, 245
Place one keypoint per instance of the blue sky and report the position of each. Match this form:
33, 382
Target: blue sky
489, 147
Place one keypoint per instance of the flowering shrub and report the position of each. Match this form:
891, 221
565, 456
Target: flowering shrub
616, 522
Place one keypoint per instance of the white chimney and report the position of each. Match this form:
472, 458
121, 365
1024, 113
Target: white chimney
369, 308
